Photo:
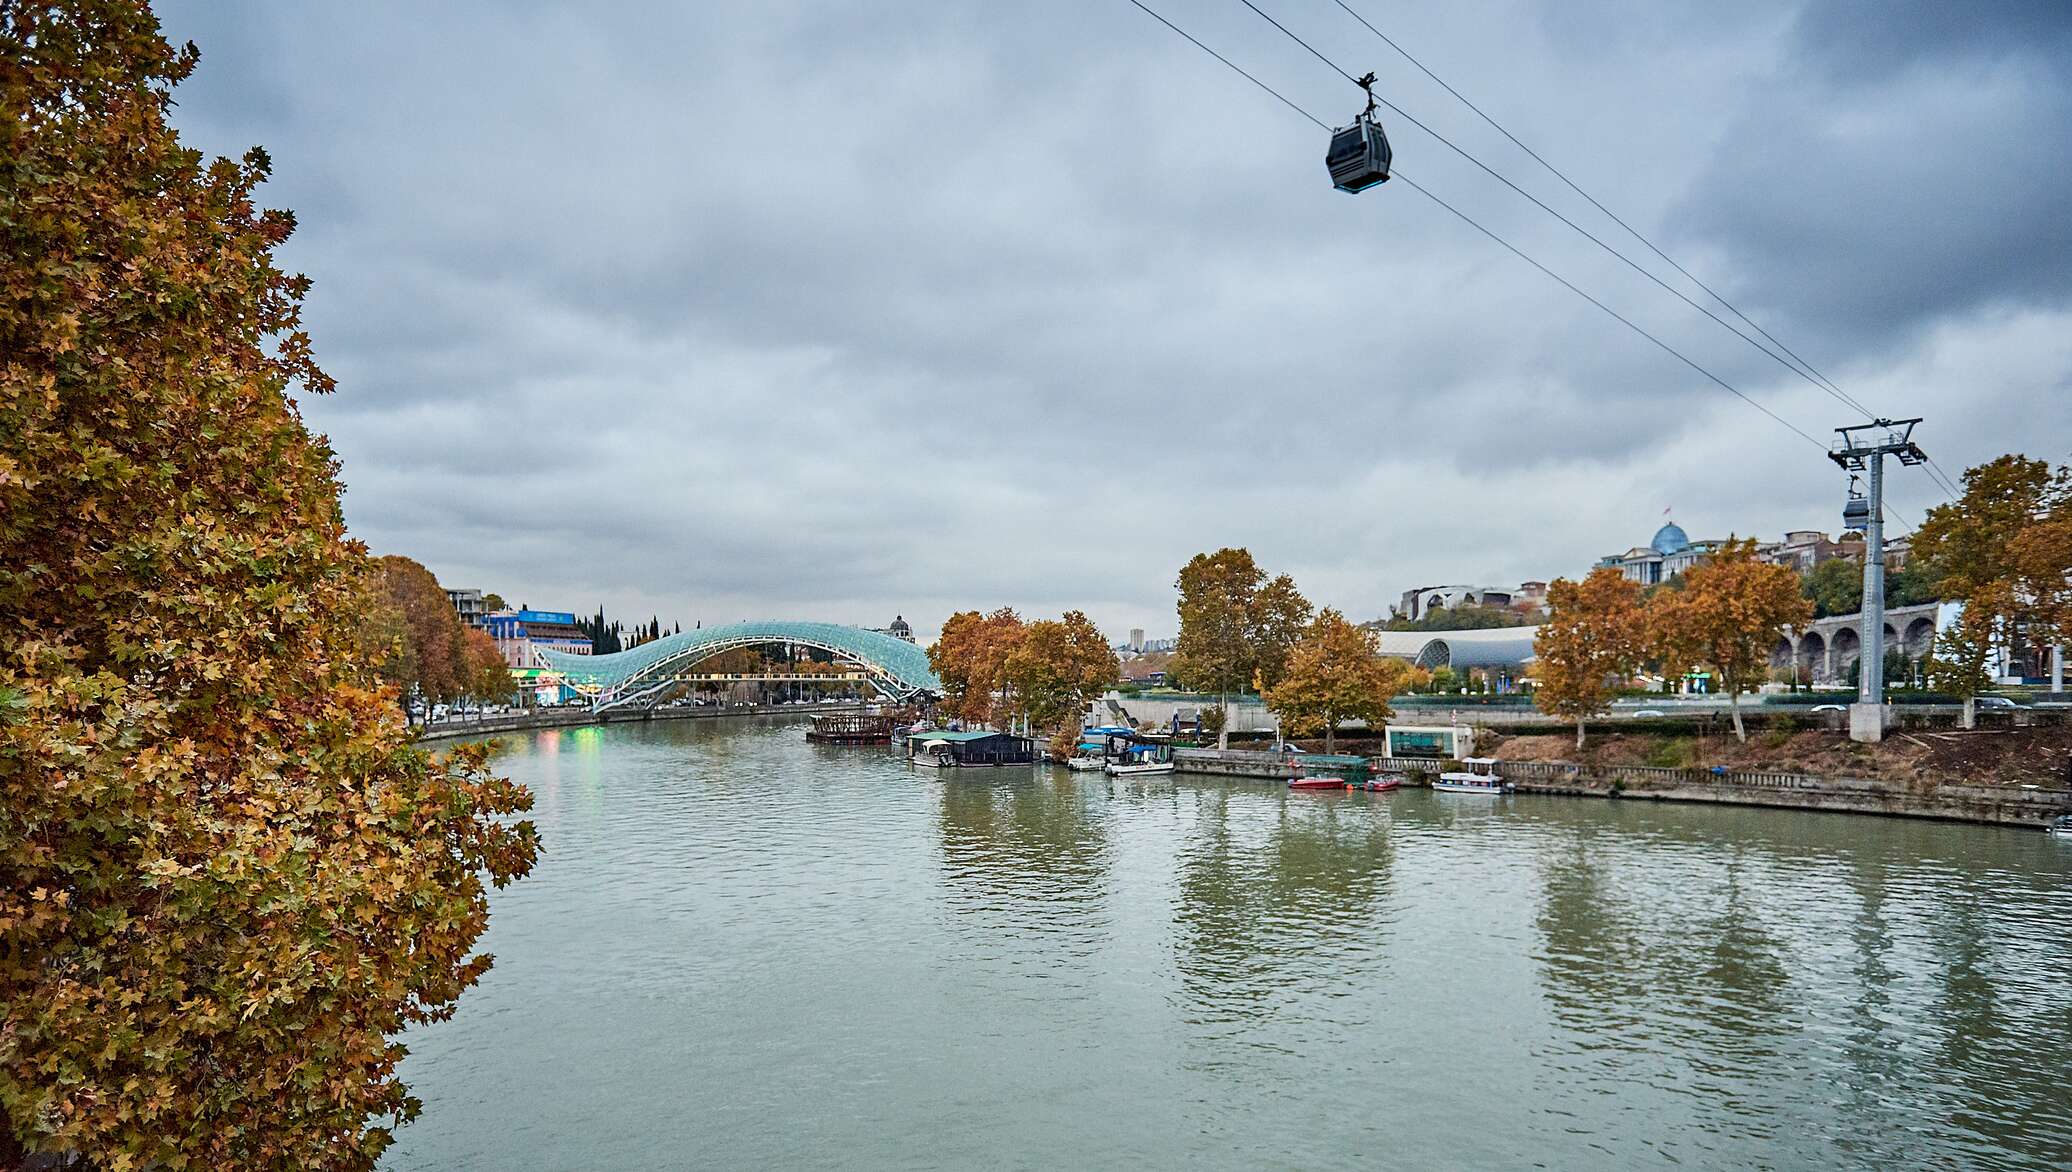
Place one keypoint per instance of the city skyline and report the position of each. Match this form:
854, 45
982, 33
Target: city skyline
597, 343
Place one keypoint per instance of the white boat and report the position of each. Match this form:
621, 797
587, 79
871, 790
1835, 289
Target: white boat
2060, 826
1085, 764
1120, 769
1479, 778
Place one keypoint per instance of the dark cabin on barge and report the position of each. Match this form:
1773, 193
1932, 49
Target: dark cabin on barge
940, 749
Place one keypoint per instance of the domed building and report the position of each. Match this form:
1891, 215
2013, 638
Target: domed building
1669, 553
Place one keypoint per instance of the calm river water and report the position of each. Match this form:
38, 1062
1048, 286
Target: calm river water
740, 950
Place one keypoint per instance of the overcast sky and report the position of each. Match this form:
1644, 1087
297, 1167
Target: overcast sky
827, 311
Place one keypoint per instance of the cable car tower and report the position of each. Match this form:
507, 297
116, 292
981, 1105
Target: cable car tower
1863, 448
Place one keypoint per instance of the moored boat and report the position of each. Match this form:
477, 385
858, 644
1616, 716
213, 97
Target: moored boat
1137, 758
2060, 826
1378, 785
1090, 755
1303, 781
1478, 778
1123, 769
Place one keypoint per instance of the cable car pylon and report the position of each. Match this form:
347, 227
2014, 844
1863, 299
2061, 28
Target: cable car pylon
1359, 156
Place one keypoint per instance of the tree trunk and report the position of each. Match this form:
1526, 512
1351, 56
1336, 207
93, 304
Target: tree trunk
1734, 706
1579, 732
1330, 734
1970, 717
1223, 733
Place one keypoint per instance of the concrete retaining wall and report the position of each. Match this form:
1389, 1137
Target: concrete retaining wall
1234, 763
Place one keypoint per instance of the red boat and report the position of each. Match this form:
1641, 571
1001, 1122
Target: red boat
1317, 783
1379, 785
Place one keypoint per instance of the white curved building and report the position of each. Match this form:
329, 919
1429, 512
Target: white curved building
1497, 648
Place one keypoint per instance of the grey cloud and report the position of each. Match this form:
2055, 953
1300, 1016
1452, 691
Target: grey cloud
1906, 176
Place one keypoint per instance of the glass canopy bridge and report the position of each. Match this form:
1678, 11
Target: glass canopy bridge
897, 669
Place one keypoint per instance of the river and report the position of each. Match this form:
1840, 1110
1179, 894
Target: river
742, 950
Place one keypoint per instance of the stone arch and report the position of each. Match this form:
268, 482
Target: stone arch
1848, 648
1920, 637
1813, 655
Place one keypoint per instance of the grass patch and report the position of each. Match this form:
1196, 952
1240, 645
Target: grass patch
1673, 753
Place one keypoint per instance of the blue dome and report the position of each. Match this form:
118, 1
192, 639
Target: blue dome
1670, 539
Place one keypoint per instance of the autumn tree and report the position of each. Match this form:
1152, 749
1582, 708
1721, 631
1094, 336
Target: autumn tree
1961, 660
1594, 635
970, 658
381, 639
227, 877
1966, 541
2007, 543
1280, 619
1337, 673
1834, 587
1217, 596
488, 674
1056, 667
2040, 573
1729, 616
436, 660
1237, 627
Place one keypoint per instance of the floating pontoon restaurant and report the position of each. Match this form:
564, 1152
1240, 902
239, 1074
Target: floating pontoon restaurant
851, 728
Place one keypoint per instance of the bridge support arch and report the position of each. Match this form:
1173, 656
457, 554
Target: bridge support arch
897, 669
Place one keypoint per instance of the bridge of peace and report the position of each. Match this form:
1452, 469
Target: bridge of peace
1824, 650
896, 669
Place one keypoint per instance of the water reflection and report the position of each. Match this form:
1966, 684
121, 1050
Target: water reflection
1016, 834
1280, 902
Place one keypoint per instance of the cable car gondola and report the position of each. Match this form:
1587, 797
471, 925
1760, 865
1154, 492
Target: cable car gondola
1359, 155
1856, 511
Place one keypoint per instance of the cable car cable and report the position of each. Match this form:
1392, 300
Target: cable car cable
1613, 216
1321, 124
1622, 319
1577, 228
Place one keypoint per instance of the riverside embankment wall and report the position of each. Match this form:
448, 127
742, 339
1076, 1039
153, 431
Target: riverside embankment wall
474, 730
2008, 805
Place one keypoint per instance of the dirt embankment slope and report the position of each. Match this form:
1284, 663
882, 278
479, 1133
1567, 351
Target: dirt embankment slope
2025, 756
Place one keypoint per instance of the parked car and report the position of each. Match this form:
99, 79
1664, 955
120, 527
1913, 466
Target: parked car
1642, 713
2000, 702
1828, 708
